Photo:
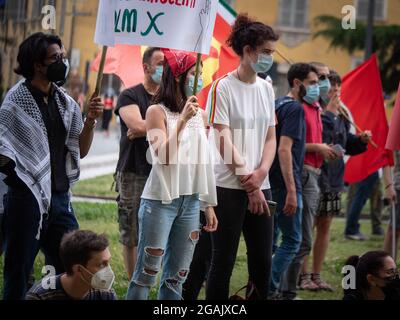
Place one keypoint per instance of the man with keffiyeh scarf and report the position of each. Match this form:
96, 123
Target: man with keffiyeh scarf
42, 139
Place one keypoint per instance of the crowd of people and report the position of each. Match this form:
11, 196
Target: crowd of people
189, 181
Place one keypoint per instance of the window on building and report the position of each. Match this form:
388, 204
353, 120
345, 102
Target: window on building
12, 9
379, 12
22, 10
37, 9
16, 10
2, 10
293, 13
51, 2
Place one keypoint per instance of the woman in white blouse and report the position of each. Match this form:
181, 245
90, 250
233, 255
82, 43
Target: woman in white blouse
180, 184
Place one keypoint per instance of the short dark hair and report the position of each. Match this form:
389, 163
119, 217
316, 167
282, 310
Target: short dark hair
148, 54
299, 71
166, 93
34, 50
334, 78
246, 31
78, 246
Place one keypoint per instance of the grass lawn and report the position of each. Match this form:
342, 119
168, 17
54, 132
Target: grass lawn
101, 187
97, 187
102, 218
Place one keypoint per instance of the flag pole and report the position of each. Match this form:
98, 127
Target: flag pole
343, 113
100, 73
196, 76
289, 61
394, 230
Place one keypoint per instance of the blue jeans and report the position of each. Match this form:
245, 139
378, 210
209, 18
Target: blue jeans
290, 227
21, 223
174, 229
363, 192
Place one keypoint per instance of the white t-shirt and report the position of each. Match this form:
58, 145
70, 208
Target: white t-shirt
248, 110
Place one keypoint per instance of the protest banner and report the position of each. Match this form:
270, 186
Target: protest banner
176, 24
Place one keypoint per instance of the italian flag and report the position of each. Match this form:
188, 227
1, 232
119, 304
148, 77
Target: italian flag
222, 59
125, 61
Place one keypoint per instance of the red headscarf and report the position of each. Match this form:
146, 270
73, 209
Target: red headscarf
179, 61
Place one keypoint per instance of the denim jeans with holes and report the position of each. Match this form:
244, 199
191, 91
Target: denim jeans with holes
168, 234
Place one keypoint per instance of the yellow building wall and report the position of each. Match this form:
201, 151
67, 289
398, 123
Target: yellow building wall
265, 10
84, 29
84, 38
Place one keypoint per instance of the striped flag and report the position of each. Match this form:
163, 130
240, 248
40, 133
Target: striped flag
222, 59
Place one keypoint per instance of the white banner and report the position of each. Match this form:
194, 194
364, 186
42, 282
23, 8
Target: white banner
177, 24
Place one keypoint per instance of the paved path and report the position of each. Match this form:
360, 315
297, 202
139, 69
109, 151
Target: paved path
103, 155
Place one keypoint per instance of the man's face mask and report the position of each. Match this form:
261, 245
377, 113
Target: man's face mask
157, 75
324, 87
57, 71
310, 93
102, 279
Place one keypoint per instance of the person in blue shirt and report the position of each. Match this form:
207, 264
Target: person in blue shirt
286, 171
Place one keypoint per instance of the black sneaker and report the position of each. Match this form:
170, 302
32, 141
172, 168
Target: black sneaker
289, 296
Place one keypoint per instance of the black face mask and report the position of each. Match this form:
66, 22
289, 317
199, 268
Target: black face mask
57, 72
392, 288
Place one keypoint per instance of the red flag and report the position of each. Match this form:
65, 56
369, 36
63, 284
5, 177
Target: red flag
125, 61
393, 140
362, 93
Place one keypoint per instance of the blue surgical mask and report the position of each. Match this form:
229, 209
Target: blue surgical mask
312, 94
189, 87
263, 64
324, 87
326, 100
157, 75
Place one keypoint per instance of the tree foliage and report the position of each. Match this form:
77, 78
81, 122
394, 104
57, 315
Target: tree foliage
386, 43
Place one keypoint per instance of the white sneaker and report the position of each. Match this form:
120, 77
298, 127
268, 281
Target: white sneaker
357, 237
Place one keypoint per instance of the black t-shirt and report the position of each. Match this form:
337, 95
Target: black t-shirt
291, 123
37, 292
132, 153
56, 134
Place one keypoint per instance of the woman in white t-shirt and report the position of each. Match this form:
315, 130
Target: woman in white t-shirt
242, 113
180, 184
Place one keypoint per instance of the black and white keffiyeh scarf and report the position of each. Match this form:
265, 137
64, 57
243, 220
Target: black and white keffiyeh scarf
23, 139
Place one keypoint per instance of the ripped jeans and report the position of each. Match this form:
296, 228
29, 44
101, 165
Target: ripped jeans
168, 234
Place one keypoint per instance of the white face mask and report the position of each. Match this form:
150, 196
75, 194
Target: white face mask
102, 279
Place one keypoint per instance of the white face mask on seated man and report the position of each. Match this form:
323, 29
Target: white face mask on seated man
102, 279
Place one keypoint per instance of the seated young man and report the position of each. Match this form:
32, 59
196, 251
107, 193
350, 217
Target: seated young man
86, 257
